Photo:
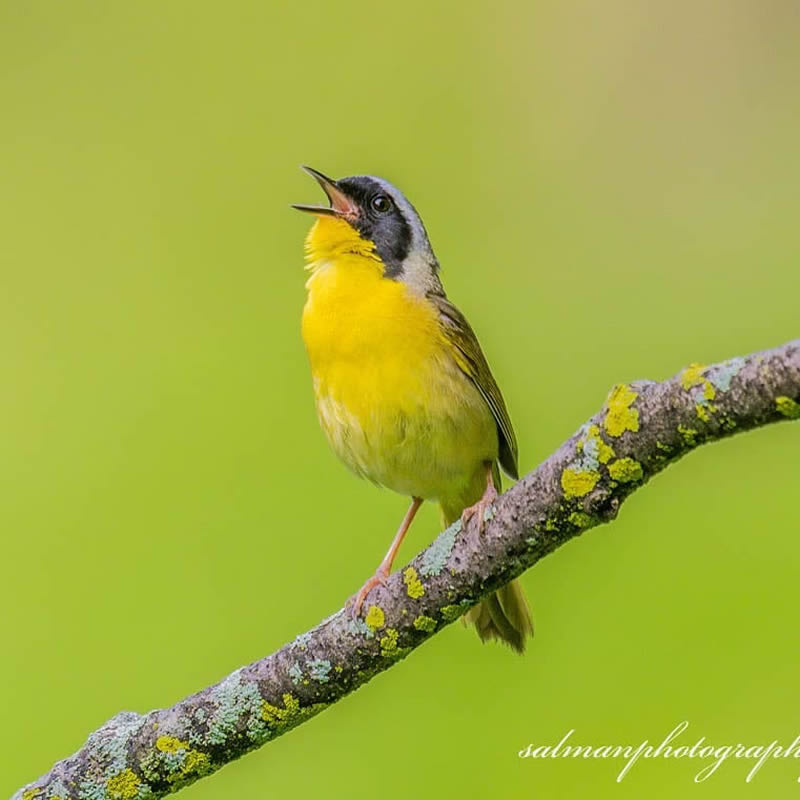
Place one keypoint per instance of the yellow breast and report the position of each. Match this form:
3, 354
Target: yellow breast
390, 397
370, 343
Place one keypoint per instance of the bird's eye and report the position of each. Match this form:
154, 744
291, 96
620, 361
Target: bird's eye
381, 203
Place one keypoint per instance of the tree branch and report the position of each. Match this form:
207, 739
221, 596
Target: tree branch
643, 427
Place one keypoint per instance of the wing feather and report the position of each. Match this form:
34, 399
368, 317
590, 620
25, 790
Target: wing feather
470, 359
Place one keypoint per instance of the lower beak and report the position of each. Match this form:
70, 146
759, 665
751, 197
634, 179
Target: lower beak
341, 205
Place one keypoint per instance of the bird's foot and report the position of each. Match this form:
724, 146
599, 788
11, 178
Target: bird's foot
480, 508
378, 579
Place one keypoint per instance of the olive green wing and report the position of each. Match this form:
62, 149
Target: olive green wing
472, 362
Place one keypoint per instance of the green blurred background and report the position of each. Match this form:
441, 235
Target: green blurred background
612, 190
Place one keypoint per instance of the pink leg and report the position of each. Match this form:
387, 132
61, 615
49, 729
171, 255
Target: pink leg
479, 508
382, 573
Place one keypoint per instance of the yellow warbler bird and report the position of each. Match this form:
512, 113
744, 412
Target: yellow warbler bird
403, 391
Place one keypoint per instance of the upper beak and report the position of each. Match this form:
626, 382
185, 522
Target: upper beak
341, 204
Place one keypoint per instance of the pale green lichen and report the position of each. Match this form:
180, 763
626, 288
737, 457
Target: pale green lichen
358, 627
788, 407
620, 417
235, 699
301, 641
375, 618
578, 483
425, 624
595, 449
58, 790
703, 395
722, 374
435, 557
319, 669
296, 673
109, 745
581, 475
625, 470
123, 786
414, 586
703, 388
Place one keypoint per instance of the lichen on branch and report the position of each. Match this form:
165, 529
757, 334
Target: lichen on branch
643, 427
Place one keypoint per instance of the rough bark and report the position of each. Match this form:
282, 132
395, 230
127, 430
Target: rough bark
643, 427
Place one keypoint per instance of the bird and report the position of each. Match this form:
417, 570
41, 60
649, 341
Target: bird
403, 391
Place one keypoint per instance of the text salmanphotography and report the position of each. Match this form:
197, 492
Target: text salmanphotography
711, 756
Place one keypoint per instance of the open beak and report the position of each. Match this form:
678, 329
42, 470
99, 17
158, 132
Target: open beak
341, 205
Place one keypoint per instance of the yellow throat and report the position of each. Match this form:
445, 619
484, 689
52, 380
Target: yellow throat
362, 330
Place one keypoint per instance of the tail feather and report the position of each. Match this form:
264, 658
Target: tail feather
504, 616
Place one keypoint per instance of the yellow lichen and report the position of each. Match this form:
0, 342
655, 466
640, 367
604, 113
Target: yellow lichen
577, 483
375, 618
389, 643
449, 613
620, 417
625, 470
426, 624
193, 760
788, 407
272, 714
692, 376
281, 719
169, 744
605, 452
689, 435
123, 786
32, 793
579, 519
413, 584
